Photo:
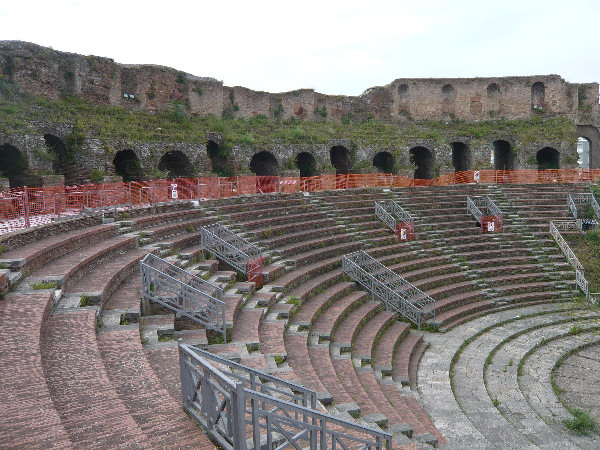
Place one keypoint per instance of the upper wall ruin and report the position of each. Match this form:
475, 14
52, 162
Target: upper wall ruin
44, 71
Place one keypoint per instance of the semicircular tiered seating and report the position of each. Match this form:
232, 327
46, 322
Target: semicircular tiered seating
103, 371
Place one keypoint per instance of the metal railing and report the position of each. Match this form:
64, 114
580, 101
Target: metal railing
180, 291
585, 198
243, 408
555, 228
391, 213
395, 292
231, 248
474, 205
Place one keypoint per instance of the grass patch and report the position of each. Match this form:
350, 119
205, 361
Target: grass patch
86, 300
165, 337
279, 360
44, 284
253, 347
215, 337
581, 423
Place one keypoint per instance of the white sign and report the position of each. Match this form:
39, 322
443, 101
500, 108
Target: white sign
491, 226
403, 234
476, 176
174, 191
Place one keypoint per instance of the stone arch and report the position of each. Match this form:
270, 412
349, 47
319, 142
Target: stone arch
57, 148
548, 158
538, 95
493, 90
176, 163
264, 164
460, 156
384, 161
583, 151
127, 165
13, 165
591, 134
503, 155
306, 164
340, 159
218, 159
423, 159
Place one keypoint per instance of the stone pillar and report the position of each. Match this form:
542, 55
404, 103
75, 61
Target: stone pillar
4, 184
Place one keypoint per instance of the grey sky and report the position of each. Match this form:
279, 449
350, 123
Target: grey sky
335, 47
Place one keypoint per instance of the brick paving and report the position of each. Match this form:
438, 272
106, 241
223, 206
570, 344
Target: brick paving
89, 407
28, 417
146, 399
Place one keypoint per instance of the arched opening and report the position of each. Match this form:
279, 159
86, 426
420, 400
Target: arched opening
503, 156
538, 94
583, 151
218, 159
127, 165
57, 148
493, 90
460, 156
340, 159
306, 164
448, 90
264, 164
422, 158
547, 158
176, 164
13, 165
384, 161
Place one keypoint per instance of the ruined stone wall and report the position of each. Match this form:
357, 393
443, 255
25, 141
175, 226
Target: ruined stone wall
43, 71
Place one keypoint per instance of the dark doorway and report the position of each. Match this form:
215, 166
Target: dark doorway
61, 160
503, 156
176, 164
264, 164
218, 158
547, 158
306, 164
340, 159
128, 165
460, 156
421, 157
384, 161
13, 165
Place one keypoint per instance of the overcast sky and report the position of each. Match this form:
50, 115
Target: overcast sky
334, 47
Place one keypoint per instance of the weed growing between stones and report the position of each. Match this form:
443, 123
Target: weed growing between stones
44, 284
581, 423
216, 337
86, 300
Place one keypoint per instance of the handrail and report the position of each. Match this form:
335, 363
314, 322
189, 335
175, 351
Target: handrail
182, 292
580, 279
233, 249
232, 410
395, 292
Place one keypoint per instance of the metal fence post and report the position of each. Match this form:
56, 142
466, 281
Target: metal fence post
238, 405
26, 206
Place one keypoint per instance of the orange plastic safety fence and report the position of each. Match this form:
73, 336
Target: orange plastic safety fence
24, 207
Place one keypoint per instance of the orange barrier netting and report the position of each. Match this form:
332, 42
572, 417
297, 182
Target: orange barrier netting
25, 207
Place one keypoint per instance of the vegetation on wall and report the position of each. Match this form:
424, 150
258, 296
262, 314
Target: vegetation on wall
18, 111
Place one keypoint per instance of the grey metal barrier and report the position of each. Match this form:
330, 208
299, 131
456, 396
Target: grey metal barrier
180, 291
395, 292
240, 413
